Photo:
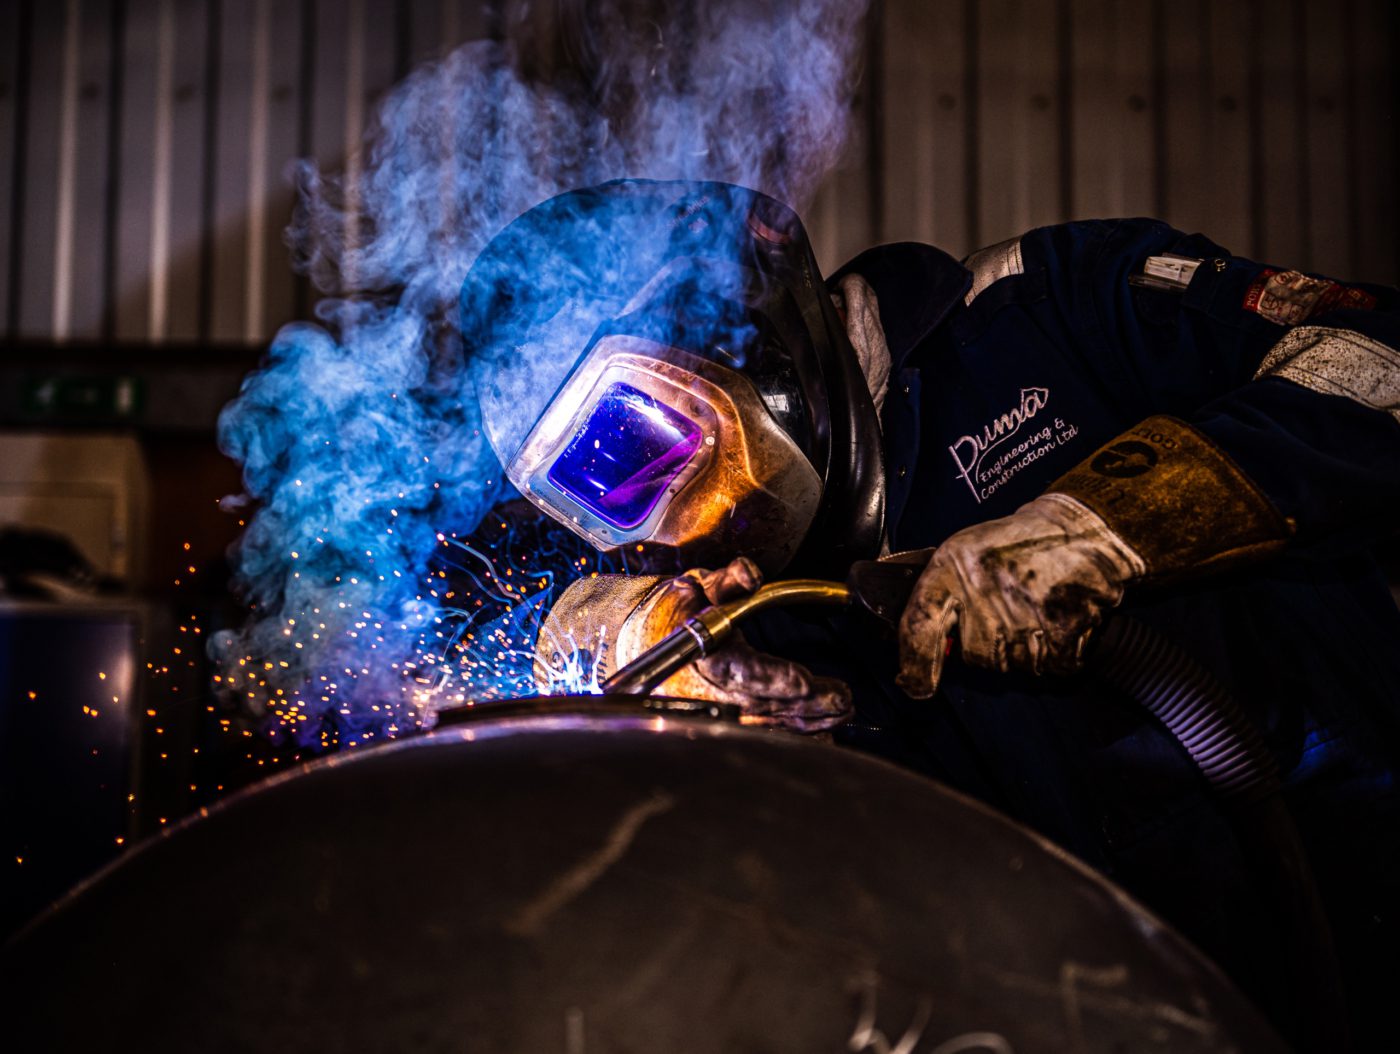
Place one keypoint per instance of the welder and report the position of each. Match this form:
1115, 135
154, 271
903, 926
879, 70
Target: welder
1091, 418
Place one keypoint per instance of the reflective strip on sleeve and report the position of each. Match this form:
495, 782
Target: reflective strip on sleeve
1338, 362
992, 264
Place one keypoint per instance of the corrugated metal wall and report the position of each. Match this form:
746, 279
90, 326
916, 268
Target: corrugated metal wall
144, 144
1268, 124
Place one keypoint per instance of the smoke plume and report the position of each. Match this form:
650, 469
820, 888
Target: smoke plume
360, 436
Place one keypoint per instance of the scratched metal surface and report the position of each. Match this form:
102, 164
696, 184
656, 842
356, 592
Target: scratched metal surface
609, 883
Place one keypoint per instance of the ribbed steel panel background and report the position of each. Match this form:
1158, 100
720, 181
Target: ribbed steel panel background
144, 145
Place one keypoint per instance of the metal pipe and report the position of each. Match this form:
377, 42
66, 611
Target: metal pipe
1198, 712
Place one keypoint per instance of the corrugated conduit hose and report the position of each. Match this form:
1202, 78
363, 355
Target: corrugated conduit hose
1230, 752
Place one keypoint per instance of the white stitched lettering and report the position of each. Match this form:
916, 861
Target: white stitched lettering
969, 451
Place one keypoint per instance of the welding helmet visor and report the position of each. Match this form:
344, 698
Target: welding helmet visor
648, 445
651, 377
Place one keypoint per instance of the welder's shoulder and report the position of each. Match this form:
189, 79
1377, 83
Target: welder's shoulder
915, 286
1080, 250
906, 270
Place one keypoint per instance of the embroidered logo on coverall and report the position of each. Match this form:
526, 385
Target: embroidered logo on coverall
990, 458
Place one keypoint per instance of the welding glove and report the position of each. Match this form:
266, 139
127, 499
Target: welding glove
614, 618
1159, 503
1023, 591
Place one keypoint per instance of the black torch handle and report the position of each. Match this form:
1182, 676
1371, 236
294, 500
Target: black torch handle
881, 588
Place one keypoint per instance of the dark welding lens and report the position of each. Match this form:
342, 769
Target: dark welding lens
619, 464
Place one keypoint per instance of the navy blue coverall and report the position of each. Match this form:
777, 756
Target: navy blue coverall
1308, 641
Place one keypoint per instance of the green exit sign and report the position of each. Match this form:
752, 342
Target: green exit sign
86, 398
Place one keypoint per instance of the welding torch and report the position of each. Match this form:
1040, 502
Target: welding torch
1129, 656
879, 587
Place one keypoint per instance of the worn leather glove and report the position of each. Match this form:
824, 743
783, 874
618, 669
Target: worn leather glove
616, 617
1024, 591
1159, 503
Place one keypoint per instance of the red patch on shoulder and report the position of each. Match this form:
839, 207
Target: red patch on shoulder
1290, 297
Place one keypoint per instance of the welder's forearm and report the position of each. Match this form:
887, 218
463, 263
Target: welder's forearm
1292, 380
1318, 429
1177, 500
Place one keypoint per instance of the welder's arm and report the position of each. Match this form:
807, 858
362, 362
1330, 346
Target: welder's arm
1160, 502
614, 618
1267, 400
1277, 435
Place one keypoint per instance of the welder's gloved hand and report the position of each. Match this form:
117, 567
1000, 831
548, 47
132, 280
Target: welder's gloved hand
617, 617
1024, 592
1161, 502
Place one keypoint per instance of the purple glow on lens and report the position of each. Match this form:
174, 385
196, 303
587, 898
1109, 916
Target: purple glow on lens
627, 453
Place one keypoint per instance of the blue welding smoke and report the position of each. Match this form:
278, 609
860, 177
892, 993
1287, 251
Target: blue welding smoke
361, 440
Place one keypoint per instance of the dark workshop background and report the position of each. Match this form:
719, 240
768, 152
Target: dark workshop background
143, 152
143, 144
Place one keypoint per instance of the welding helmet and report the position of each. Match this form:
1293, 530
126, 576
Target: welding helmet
660, 367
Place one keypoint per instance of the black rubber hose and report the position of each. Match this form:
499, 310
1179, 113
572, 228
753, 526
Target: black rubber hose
1230, 752
1205, 719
